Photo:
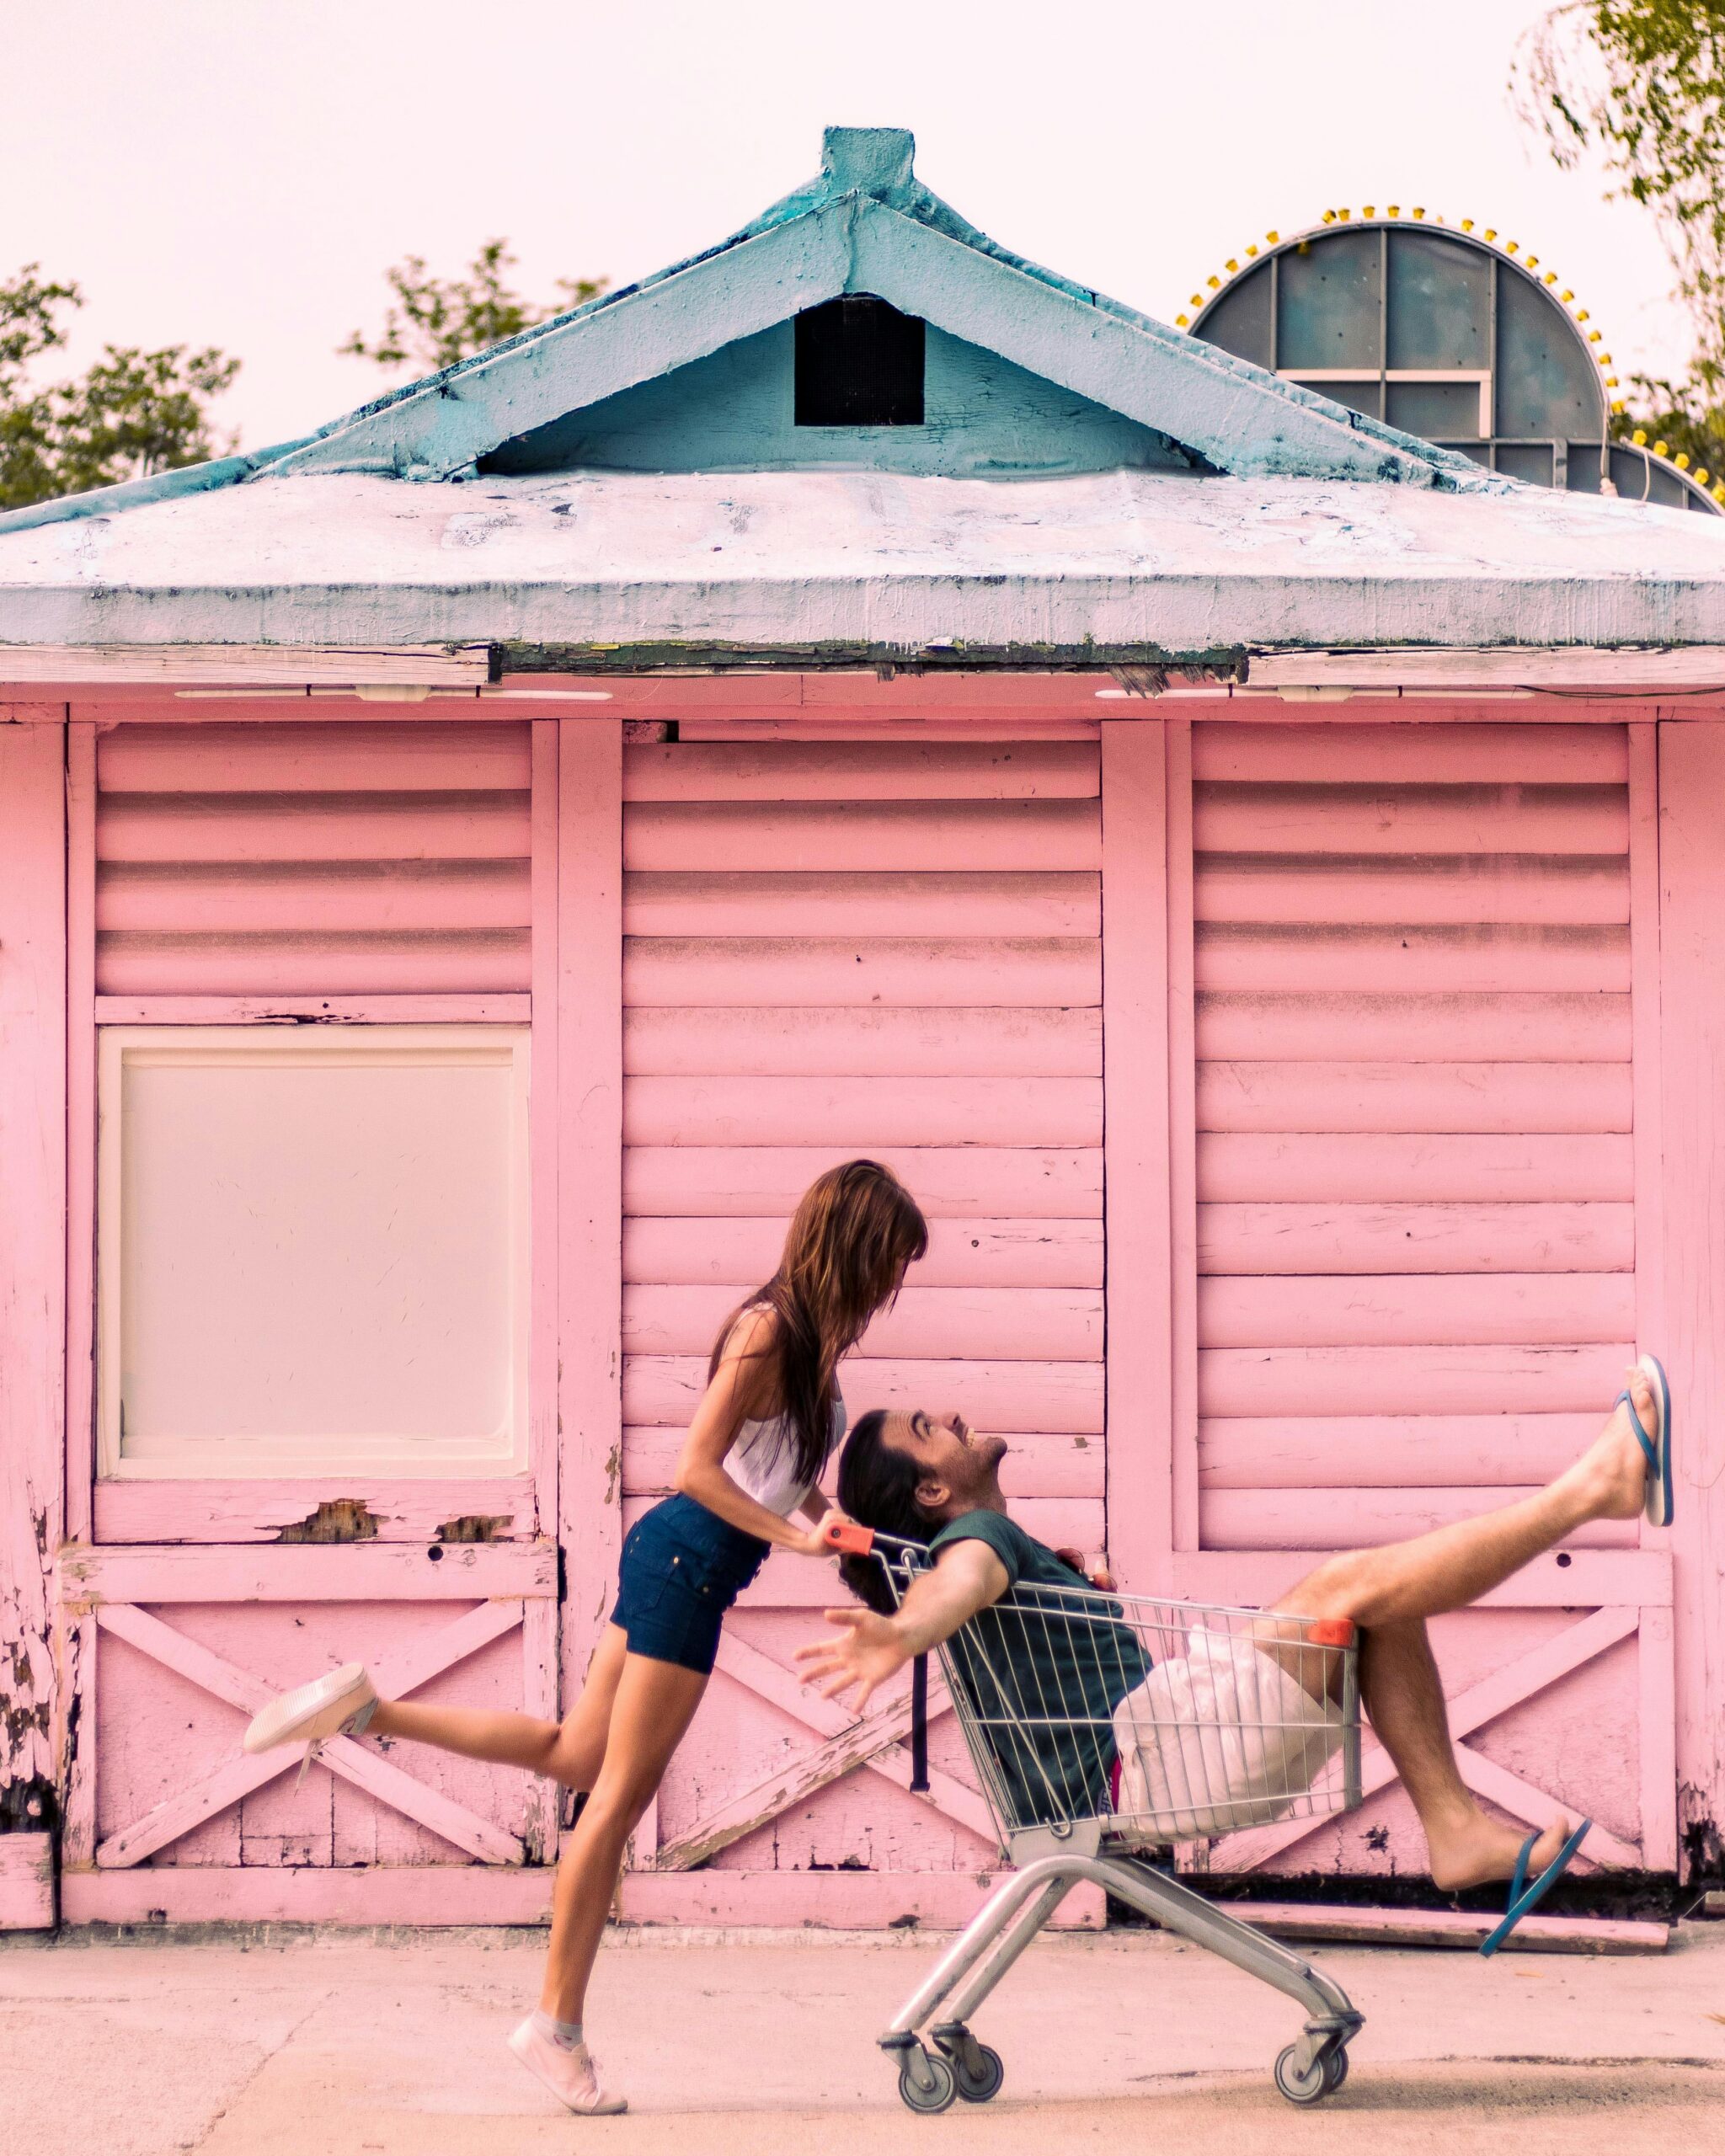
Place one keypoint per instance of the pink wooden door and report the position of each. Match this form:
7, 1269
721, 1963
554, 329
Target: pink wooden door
837, 947
1416, 1213
303, 962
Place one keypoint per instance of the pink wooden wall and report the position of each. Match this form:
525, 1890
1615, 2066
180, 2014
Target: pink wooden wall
1378, 1005
884, 948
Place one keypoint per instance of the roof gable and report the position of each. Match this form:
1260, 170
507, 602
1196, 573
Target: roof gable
867, 225
864, 224
734, 411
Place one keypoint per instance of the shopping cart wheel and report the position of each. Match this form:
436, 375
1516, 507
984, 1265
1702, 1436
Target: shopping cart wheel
1309, 2087
926, 2083
1336, 2070
977, 2088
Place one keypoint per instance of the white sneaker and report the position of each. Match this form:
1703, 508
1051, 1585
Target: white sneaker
569, 2073
310, 1714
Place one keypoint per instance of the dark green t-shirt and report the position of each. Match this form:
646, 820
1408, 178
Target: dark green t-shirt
1044, 1672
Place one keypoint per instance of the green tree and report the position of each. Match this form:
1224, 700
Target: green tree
1641, 84
132, 413
433, 322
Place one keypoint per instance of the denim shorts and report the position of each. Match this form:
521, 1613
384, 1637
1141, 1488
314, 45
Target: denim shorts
682, 1568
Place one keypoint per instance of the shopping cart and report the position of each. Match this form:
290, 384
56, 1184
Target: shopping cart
1104, 1726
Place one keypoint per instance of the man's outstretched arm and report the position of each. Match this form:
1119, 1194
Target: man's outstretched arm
866, 1649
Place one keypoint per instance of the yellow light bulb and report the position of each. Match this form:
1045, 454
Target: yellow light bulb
1183, 321
1659, 449
1197, 300
1617, 404
1395, 210
1368, 212
1681, 460
1512, 245
1273, 237
1701, 476
1215, 283
1329, 216
1551, 277
1344, 215
1610, 382
1640, 437
1594, 336
1581, 314
1233, 264
1491, 231
1719, 492
1419, 213
1250, 251
1467, 224
1533, 261
1566, 297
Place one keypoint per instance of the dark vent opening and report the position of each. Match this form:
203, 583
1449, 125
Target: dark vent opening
859, 364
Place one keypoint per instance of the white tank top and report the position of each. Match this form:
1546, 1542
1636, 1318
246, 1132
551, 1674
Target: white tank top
762, 1460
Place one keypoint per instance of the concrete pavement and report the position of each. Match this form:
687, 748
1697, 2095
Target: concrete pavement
333, 2045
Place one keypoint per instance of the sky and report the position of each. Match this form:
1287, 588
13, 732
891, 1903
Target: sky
240, 173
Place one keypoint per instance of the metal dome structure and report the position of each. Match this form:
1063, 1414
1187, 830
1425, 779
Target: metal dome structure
1449, 335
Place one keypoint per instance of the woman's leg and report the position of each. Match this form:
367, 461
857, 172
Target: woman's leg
568, 1752
653, 1706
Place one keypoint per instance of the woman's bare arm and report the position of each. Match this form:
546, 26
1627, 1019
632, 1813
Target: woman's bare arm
739, 1392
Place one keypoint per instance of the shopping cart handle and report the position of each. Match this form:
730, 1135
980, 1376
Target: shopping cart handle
846, 1536
1331, 1632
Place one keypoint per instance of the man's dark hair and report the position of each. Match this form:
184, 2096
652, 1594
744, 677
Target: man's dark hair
878, 1487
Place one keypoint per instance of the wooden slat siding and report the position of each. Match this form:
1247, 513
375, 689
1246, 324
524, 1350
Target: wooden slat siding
863, 1113
320, 857
1442, 753
1410, 818
1333, 1239
1583, 1026
987, 835
952, 1182
862, 770
865, 948
1415, 1101
1573, 890
1421, 1166
740, 1253
965, 1043
1296, 1519
856, 903
1338, 958
1389, 1452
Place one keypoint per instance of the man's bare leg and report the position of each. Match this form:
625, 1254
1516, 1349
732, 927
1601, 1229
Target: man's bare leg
1390, 1592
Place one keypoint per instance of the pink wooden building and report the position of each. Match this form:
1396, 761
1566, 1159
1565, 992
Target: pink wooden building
1258, 877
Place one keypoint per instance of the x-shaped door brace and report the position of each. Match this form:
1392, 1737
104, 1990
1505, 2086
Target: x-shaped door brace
873, 1742
403, 1671
1469, 1710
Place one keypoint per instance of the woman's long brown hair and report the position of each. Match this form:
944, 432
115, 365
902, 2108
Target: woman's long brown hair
850, 1238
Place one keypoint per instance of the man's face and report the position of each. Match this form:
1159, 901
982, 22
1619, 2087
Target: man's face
958, 1465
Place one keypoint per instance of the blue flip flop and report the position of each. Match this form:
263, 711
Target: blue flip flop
1657, 1447
1523, 1897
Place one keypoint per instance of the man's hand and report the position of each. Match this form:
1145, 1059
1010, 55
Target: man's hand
866, 1650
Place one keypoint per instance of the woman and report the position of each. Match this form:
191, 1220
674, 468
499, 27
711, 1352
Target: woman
767, 1423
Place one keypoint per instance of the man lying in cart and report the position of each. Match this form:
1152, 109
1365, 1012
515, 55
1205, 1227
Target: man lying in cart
1200, 1722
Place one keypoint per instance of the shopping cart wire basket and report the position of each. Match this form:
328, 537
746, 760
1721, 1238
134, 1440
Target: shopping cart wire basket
1102, 1726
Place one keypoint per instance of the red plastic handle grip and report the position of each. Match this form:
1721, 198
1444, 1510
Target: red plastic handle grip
854, 1541
1331, 1632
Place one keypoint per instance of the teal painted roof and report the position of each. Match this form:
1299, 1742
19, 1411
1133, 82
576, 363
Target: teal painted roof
865, 223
